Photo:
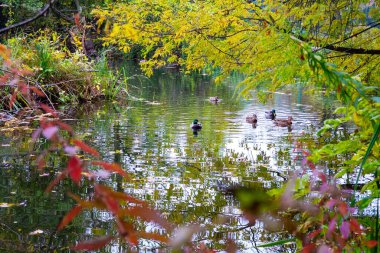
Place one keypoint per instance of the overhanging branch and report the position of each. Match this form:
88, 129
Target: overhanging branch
61, 15
349, 50
38, 15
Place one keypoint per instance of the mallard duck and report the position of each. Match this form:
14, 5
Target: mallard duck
270, 114
284, 122
196, 125
251, 119
214, 99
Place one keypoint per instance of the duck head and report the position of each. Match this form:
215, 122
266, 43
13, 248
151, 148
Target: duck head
195, 121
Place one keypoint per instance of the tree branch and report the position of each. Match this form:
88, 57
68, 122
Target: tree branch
61, 15
79, 8
38, 15
373, 25
349, 50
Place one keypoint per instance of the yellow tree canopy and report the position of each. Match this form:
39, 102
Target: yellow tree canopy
273, 43
261, 39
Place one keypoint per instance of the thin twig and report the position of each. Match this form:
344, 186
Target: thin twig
32, 81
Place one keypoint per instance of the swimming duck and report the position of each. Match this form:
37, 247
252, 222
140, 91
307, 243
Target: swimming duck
196, 125
284, 122
270, 114
214, 99
251, 119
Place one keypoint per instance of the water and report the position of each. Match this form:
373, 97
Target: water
178, 172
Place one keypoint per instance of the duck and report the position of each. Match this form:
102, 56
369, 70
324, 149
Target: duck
214, 99
270, 114
196, 125
284, 122
251, 119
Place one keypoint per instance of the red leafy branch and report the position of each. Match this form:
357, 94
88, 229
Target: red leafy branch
119, 204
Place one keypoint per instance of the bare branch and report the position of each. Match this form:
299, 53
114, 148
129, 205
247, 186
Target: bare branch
27, 21
62, 15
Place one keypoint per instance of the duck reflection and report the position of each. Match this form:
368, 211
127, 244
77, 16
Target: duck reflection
195, 132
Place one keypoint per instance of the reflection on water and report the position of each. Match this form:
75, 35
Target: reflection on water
180, 172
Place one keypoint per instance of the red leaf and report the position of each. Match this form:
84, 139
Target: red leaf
75, 169
23, 88
127, 231
64, 126
372, 243
112, 204
24, 72
77, 19
339, 88
86, 148
48, 109
4, 79
146, 214
41, 163
311, 165
119, 195
308, 248
314, 233
355, 226
13, 99
113, 167
37, 91
93, 244
323, 177
69, 217
343, 209
331, 203
55, 182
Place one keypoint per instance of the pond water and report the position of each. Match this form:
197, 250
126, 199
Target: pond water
179, 172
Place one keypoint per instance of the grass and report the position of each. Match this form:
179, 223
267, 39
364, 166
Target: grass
63, 75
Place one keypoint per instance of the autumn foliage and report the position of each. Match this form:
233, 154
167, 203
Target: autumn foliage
120, 204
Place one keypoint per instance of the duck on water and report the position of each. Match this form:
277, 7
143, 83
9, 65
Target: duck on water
251, 119
214, 99
196, 125
284, 122
270, 114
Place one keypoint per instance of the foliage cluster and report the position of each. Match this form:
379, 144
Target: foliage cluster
251, 37
328, 46
60, 74
61, 137
64, 76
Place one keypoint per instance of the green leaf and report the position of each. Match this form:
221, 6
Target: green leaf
281, 242
341, 173
365, 202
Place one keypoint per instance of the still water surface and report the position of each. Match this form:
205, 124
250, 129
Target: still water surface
179, 172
